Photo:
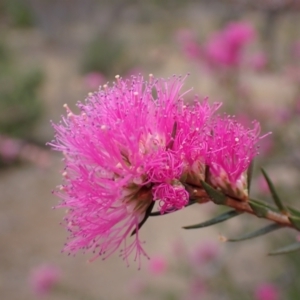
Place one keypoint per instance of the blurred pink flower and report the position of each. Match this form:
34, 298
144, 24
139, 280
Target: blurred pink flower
158, 265
262, 185
266, 146
266, 291
206, 251
258, 61
12, 149
136, 286
197, 288
93, 80
225, 47
9, 148
189, 44
297, 106
43, 278
283, 115
292, 72
296, 50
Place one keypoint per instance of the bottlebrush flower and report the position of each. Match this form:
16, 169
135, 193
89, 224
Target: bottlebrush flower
130, 145
232, 148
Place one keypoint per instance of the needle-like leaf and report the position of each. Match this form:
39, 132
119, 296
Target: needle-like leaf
287, 249
275, 196
216, 196
221, 218
256, 233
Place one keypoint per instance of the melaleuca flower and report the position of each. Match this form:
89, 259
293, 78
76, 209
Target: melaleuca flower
191, 141
232, 148
130, 145
163, 172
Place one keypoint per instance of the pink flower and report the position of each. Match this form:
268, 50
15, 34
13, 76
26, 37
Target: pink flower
9, 148
224, 48
233, 147
170, 196
204, 252
197, 289
266, 291
125, 150
158, 265
295, 51
258, 61
189, 44
43, 279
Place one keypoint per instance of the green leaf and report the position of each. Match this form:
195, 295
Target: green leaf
249, 175
264, 204
256, 233
295, 212
295, 221
216, 196
275, 196
260, 210
221, 218
287, 249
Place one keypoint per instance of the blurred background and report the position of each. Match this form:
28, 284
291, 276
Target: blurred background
245, 53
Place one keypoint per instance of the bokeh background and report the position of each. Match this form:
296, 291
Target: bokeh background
55, 52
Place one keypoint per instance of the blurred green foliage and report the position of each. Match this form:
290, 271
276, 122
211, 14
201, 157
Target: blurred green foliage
17, 12
20, 106
106, 54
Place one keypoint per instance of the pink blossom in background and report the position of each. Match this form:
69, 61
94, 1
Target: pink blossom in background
43, 278
296, 50
9, 148
178, 249
239, 33
225, 47
12, 149
158, 265
136, 287
266, 291
205, 252
197, 289
292, 72
266, 146
262, 185
258, 61
93, 80
189, 45
297, 106
283, 115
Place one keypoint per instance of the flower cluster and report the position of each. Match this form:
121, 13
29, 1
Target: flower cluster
138, 143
